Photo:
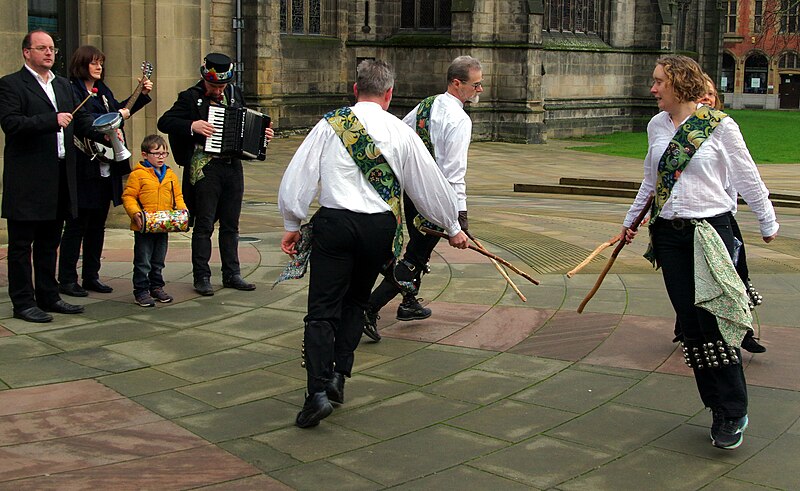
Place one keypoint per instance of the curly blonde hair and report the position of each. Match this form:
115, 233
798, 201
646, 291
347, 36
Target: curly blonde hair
685, 76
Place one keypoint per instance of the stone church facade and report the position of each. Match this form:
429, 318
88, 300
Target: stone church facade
552, 68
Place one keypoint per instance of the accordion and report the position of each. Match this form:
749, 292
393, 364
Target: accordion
239, 132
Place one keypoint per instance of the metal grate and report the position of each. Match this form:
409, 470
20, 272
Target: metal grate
542, 253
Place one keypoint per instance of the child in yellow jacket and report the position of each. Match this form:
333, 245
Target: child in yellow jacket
152, 186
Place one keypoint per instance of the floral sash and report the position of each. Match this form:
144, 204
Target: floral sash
423, 131
687, 139
370, 160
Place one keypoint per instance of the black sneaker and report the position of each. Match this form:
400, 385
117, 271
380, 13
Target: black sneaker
750, 344
717, 418
411, 309
731, 433
371, 324
316, 408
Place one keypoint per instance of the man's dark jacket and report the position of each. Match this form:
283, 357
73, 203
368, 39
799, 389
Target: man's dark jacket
192, 105
30, 123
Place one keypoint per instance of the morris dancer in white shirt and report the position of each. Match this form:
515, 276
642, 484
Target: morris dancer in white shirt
749, 343
446, 130
688, 194
354, 228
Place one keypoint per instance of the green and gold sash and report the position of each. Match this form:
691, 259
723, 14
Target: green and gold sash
686, 141
423, 131
370, 160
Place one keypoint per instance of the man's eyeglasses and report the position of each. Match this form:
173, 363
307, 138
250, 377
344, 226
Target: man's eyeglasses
475, 85
162, 155
45, 49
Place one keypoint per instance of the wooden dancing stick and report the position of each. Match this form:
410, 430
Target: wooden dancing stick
499, 269
594, 254
93, 93
634, 226
488, 254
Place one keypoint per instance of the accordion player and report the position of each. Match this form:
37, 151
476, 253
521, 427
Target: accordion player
239, 132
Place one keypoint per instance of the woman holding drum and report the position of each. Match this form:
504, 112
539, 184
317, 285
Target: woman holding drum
99, 177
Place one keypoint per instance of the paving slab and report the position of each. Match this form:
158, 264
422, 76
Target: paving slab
489, 392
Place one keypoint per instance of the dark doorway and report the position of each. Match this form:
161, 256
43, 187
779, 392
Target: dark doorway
789, 91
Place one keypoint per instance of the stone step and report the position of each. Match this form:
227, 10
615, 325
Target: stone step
577, 186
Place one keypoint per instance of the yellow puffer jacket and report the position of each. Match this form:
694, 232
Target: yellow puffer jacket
144, 191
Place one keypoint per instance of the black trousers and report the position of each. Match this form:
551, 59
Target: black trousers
418, 252
217, 197
39, 240
89, 229
723, 387
348, 250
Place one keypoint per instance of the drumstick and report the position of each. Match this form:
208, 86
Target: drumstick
499, 269
594, 254
93, 93
486, 253
634, 226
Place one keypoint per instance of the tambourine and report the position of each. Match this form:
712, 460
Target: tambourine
108, 125
158, 222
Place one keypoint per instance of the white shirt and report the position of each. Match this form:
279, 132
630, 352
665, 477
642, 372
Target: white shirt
451, 130
706, 186
322, 165
51, 94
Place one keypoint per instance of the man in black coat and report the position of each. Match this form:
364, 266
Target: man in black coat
39, 177
213, 186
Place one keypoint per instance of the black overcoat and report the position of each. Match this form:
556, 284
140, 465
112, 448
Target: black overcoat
31, 166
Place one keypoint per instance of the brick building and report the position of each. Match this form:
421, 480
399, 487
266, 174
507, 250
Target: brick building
761, 58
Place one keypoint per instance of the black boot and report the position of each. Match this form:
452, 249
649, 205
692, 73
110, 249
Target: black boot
371, 324
750, 344
335, 388
316, 408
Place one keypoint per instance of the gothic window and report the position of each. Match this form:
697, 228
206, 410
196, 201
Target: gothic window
425, 14
755, 74
730, 16
790, 17
789, 61
300, 16
726, 78
758, 15
571, 16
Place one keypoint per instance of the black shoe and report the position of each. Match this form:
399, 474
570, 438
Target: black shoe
316, 408
96, 285
717, 418
335, 388
731, 433
238, 282
203, 287
371, 324
33, 314
72, 289
63, 307
410, 309
750, 344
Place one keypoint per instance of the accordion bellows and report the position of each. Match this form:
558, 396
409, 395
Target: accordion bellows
155, 222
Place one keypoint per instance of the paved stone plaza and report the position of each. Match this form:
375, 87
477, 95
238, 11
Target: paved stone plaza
488, 393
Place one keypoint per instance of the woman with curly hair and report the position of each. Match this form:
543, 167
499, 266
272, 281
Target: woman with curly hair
695, 153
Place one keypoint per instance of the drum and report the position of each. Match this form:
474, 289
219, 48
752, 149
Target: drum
108, 125
165, 221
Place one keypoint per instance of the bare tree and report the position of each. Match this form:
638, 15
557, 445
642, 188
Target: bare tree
776, 25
